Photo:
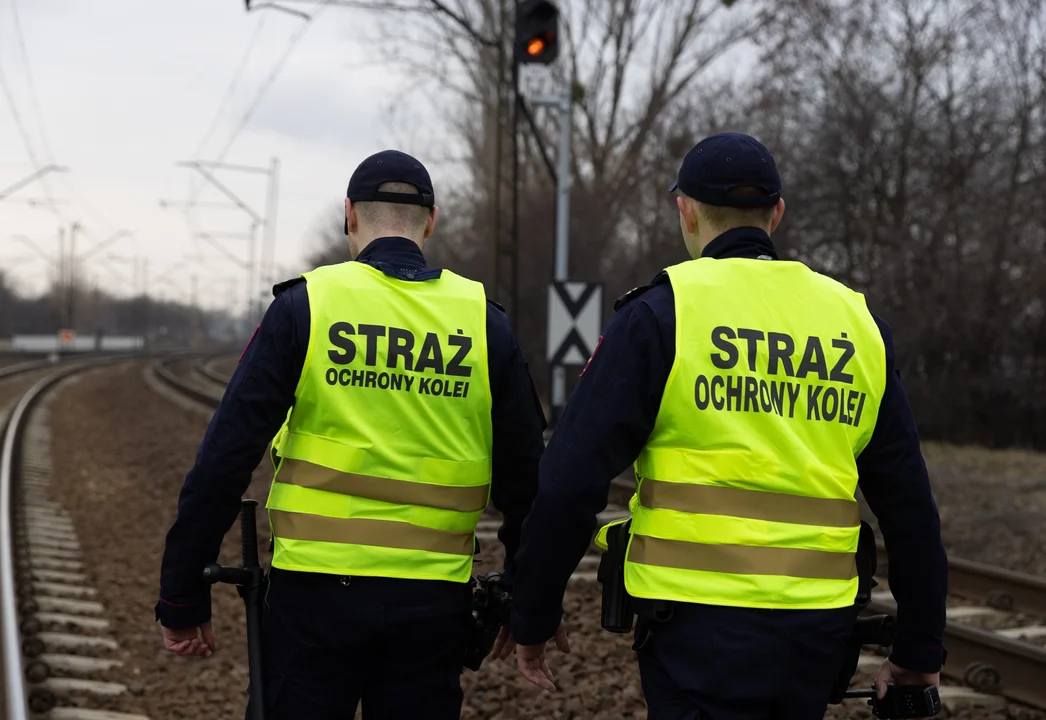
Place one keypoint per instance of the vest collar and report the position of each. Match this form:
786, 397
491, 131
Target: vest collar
743, 242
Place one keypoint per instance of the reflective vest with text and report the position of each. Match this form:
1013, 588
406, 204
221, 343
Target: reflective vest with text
746, 485
384, 462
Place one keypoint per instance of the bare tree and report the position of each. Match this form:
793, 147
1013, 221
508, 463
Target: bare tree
99, 313
631, 64
910, 134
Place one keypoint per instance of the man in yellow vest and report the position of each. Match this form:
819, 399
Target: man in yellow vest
400, 403
754, 396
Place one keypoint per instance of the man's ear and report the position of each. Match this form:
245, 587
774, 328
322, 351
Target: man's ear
430, 224
352, 222
689, 213
779, 212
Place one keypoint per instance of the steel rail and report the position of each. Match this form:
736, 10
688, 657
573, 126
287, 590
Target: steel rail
203, 367
195, 392
15, 698
987, 661
998, 588
25, 367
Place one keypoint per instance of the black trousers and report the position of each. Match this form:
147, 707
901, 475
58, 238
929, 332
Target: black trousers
330, 643
720, 663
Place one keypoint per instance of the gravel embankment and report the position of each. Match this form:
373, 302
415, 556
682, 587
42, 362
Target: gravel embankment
121, 452
992, 504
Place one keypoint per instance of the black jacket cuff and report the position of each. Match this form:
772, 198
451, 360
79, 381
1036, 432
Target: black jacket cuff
177, 616
917, 658
535, 629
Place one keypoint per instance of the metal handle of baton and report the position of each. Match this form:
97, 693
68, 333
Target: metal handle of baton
248, 580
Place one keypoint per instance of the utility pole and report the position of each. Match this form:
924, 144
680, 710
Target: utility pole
513, 248
271, 206
66, 271
230, 292
563, 184
59, 291
267, 221
536, 47
194, 328
96, 308
499, 131
70, 317
252, 281
141, 291
136, 316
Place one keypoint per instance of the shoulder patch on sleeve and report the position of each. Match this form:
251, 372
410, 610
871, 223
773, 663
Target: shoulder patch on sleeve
498, 305
630, 295
635, 292
285, 285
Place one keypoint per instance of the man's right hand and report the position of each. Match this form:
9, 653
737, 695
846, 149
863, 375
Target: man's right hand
190, 641
531, 663
891, 674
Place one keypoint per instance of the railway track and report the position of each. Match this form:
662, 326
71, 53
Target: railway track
56, 654
206, 394
9, 371
205, 368
1008, 661
996, 631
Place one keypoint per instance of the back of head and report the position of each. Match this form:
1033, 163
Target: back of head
726, 217
726, 181
389, 194
387, 218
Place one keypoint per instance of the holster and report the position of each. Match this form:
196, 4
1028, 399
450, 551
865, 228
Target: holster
618, 608
869, 630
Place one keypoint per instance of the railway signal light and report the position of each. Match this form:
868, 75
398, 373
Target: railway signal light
537, 32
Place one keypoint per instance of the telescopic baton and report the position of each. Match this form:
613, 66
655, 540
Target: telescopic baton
249, 582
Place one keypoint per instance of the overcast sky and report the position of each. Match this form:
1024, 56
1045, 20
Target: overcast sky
127, 88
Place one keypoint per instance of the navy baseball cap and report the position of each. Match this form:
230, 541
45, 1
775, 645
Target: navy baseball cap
723, 162
390, 166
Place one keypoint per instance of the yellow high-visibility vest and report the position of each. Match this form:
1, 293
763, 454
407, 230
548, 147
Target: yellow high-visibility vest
384, 461
746, 485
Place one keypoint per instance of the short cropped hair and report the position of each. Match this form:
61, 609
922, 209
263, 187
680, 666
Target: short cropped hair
393, 217
726, 218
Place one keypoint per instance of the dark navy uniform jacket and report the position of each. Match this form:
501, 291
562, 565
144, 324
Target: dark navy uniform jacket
256, 403
609, 418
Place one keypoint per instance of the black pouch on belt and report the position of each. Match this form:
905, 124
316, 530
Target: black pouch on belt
618, 607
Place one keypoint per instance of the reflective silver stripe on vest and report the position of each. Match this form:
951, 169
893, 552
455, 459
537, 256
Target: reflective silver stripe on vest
753, 504
362, 531
743, 559
468, 498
